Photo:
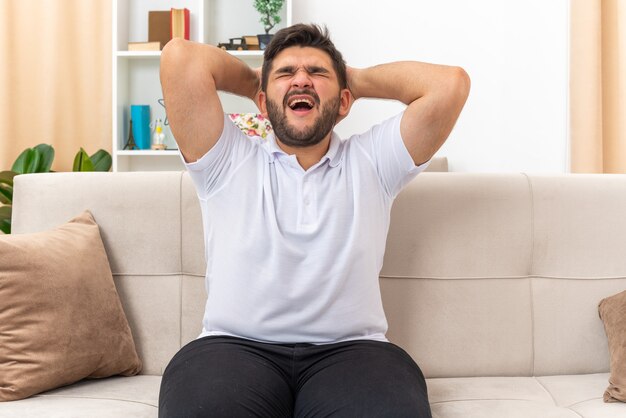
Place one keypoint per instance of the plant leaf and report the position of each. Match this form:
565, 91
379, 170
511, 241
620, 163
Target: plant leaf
47, 156
82, 162
6, 177
101, 160
27, 161
6, 194
20, 162
5, 219
34, 162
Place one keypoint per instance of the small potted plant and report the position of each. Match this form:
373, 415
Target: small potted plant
269, 17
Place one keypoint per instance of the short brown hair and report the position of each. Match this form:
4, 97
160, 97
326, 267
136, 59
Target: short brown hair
303, 35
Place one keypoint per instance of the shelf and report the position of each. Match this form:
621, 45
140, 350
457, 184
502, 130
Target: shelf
135, 74
138, 54
151, 153
157, 54
246, 53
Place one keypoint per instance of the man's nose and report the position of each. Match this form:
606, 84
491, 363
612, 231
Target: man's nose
301, 79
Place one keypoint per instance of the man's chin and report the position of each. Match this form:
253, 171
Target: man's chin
302, 130
301, 125
301, 138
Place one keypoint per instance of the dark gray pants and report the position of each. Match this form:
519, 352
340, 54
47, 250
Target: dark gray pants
233, 377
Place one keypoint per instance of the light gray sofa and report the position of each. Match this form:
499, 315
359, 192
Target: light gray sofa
491, 282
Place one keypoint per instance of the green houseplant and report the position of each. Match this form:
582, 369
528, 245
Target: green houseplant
269, 10
39, 160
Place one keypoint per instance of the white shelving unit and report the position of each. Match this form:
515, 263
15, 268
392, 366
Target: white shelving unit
135, 78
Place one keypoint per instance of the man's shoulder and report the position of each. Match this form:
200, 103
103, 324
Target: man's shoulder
232, 147
386, 126
377, 135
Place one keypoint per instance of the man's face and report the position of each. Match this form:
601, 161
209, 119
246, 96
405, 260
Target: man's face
303, 98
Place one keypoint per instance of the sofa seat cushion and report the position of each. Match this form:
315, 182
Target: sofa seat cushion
472, 397
583, 394
114, 397
512, 397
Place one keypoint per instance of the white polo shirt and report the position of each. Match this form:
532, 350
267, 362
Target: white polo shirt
293, 255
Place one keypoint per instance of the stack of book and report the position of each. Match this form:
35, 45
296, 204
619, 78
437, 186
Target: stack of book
163, 25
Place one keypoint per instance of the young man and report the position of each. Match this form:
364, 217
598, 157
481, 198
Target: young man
295, 228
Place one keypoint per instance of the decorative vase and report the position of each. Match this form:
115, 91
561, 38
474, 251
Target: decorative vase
264, 40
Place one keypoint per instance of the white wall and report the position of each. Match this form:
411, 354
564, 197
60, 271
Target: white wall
516, 53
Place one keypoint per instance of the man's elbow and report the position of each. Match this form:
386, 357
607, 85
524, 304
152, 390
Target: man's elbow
460, 83
172, 52
173, 47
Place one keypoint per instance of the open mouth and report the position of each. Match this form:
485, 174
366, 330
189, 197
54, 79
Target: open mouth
301, 104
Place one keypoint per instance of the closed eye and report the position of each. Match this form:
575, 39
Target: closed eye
311, 70
318, 71
284, 71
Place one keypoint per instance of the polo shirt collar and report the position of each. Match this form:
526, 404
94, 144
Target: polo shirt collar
332, 155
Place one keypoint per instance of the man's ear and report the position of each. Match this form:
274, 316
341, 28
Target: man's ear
263, 103
345, 104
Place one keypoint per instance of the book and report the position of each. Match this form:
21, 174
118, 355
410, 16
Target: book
145, 46
179, 23
159, 26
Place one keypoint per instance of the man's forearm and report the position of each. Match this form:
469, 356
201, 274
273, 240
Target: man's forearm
405, 81
231, 74
434, 95
200, 60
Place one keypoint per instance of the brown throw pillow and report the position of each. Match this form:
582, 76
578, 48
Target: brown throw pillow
613, 313
61, 319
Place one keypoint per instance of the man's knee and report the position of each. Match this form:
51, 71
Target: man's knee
220, 378
367, 379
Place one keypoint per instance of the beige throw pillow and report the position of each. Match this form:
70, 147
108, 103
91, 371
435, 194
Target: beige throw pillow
613, 313
61, 319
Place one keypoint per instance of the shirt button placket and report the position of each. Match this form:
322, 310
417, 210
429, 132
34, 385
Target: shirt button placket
306, 200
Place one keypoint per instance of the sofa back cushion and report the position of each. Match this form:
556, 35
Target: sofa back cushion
501, 274
484, 274
139, 215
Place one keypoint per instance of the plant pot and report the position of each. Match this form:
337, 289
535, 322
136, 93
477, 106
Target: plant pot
264, 39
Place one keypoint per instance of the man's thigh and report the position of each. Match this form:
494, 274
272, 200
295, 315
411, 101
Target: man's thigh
364, 379
225, 377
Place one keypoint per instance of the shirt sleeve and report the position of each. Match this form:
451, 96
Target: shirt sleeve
213, 170
385, 148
